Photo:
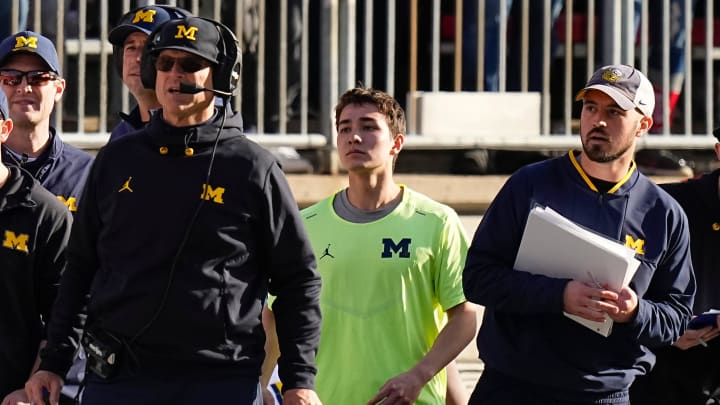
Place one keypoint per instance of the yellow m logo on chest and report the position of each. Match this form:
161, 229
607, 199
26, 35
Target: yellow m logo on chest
214, 194
16, 242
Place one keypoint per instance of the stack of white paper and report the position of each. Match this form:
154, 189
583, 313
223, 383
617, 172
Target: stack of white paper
556, 247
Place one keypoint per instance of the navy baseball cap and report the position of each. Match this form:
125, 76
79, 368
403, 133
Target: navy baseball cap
3, 106
626, 85
145, 20
30, 42
194, 35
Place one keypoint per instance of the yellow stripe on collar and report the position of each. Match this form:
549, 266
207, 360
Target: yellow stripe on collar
589, 182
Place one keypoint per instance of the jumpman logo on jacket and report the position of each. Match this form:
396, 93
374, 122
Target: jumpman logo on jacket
327, 253
126, 186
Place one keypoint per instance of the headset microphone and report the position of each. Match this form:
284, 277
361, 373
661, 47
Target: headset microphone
193, 88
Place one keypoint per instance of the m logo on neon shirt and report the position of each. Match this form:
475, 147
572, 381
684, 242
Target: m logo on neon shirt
402, 248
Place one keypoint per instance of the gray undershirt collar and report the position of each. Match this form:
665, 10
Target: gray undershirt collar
350, 213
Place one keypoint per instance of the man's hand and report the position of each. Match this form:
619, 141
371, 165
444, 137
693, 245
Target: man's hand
401, 390
694, 337
589, 302
300, 396
51, 382
16, 397
626, 304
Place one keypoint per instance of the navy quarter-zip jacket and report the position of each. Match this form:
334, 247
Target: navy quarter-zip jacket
524, 333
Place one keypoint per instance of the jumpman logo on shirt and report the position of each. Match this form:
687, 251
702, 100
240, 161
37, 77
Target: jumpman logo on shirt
327, 253
126, 186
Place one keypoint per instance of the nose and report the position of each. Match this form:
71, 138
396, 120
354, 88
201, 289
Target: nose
23, 88
600, 123
355, 138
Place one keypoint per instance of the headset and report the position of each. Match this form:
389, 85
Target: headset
127, 19
226, 73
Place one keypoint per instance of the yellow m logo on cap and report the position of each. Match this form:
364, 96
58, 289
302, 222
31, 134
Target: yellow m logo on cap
22, 42
636, 245
145, 16
187, 33
16, 242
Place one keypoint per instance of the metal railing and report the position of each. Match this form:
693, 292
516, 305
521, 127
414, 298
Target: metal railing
299, 55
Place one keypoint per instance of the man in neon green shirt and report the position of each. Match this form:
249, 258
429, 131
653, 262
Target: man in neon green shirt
391, 260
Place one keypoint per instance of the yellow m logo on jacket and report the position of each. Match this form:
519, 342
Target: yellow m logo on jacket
636, 245
70, 202
16, 242
214, 194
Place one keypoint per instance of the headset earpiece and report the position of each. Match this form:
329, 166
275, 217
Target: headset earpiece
227, 75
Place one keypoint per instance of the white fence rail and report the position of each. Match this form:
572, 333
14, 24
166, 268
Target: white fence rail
299, 55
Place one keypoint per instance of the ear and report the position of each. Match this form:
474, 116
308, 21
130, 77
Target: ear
645, 125
398, 143
5, 129
59, 89
717, 150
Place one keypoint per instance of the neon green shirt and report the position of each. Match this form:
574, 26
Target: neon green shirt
386, 287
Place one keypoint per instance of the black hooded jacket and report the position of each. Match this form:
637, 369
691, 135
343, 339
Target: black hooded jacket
34, 230
152, 224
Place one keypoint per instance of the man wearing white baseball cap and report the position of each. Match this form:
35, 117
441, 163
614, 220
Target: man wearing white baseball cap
532, 352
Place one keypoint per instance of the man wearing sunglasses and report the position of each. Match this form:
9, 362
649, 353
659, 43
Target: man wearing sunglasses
185, 227
34, 230
30, 77
128, 39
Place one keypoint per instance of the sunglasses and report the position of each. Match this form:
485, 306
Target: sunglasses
12, 77
186, 65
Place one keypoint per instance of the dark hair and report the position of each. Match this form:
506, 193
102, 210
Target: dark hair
716, 132
385, 103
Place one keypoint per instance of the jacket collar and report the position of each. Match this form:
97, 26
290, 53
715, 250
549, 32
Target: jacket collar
618, 188
16, 192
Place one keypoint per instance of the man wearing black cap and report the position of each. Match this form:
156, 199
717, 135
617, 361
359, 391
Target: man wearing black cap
30, 77
179, 246
686, 372
34, 230
532, 352
128, 39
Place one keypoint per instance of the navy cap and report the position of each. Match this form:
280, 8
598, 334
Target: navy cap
3, 106
194, 35
144, 19
626, 85
30, 42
